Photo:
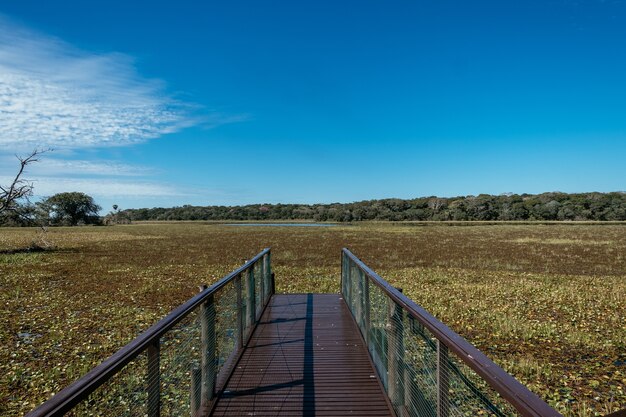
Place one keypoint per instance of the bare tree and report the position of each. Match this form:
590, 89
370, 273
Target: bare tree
20, 188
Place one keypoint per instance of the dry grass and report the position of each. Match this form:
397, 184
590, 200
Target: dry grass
547, 302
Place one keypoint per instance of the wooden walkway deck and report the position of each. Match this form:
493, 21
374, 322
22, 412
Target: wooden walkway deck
305, 358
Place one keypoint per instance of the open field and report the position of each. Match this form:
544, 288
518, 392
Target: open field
546, 302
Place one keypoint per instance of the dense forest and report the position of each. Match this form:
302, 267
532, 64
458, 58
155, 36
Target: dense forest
546, 206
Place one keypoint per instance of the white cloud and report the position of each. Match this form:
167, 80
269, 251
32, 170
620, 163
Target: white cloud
52, 94
53, 167
46, 186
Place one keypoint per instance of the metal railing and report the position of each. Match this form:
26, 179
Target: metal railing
426, 368
179, 365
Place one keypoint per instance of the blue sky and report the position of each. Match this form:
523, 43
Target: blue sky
163, 104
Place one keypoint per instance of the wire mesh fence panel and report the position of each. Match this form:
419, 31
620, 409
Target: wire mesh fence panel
257, 270
124, 395
226, 331
353, 293
247, 285
470, 395
349, 287
420, 370
436, 382
181, 366
378, 331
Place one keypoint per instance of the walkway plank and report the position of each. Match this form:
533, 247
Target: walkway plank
305, 358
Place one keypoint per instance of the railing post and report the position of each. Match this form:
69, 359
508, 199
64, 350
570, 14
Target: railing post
154, 379
207, 324
395, 355
240, 313
443, 381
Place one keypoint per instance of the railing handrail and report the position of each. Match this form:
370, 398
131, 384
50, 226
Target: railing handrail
71, 395
524, 400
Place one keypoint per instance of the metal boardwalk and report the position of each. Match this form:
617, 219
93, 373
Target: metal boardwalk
306, 357
238, 349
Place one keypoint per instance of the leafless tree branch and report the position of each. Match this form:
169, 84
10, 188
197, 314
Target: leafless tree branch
19, 188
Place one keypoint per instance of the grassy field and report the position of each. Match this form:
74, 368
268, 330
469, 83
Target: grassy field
546, 302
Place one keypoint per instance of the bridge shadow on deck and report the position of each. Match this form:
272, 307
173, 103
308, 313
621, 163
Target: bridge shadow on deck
305, 358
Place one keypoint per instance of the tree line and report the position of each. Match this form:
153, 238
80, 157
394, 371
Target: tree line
74, 208
484, 207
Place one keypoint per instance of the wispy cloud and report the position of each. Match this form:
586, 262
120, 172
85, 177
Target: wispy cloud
45, 186
52, 94
53, 167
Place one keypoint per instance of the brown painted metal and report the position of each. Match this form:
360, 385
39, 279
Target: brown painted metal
154, 379
306, 357
71, 395
526, 402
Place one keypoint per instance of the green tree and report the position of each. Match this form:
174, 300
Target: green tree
71, 209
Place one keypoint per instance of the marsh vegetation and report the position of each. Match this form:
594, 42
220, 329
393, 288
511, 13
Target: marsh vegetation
546, 302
